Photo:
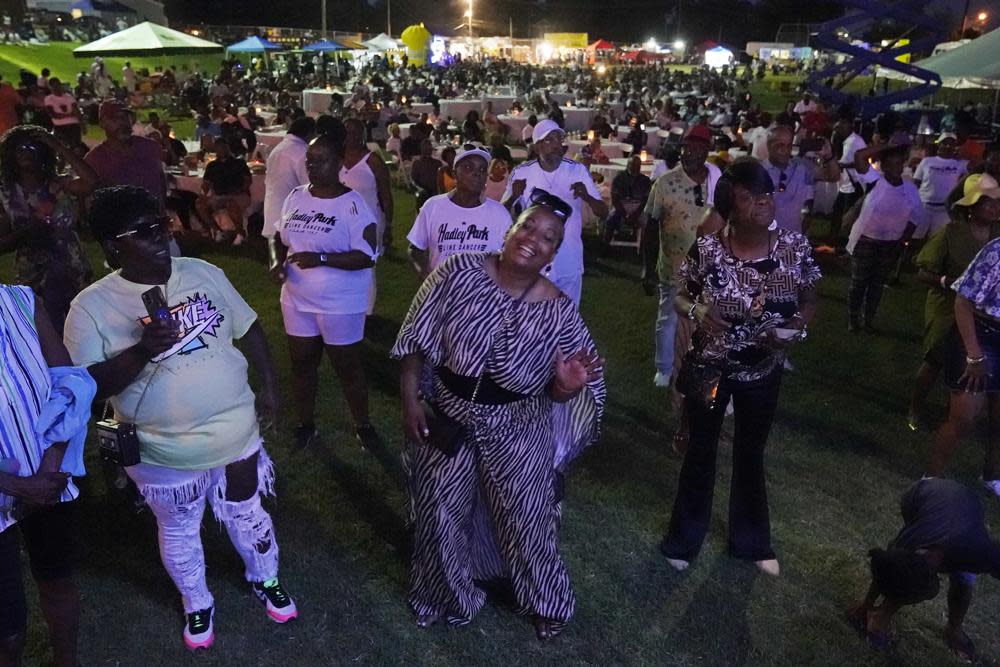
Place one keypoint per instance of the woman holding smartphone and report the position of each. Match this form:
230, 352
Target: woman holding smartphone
182, 384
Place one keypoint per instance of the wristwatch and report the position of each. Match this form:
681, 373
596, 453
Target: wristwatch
323, 257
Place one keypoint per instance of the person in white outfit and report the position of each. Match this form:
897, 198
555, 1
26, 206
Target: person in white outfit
567, 180
365, 172
286, 170
935, 177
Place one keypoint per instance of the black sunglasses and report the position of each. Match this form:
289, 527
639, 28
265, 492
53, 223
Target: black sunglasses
699, 197
147, 231
540, 197
783, 182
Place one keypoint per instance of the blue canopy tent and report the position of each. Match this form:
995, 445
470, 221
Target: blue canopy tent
328, 46
254, 44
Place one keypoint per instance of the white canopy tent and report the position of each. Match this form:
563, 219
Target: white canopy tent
973, 65
146, 39
381, 42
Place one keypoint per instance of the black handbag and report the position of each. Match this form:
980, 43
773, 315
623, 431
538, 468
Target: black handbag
445, 434
699, 380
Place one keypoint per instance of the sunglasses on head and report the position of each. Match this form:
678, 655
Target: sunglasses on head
783, 182
699, 197
147, 231
540, 197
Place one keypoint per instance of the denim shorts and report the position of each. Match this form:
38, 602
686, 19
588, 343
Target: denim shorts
988, 334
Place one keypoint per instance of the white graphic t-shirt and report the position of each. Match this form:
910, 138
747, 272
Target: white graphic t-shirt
938, 176
198, 409
443, 228
569, 259
331, 226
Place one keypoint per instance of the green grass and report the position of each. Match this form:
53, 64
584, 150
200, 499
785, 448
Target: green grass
838, 459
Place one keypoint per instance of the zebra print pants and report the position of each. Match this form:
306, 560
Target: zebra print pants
488, 513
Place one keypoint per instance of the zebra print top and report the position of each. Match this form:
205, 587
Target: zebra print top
462, 319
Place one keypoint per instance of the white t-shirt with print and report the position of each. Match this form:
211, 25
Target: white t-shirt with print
443, 228
311, 224
63, 104
886, 210
938, 176
569, 259
852, 144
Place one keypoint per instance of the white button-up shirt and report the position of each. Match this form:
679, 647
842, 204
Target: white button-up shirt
286, 170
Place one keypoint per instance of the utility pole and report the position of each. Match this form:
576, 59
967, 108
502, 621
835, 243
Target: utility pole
470, 18
965, 15
323, 17
388, 17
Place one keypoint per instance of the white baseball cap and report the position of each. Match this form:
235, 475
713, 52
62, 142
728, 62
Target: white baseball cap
545, 128
947, 135
472, 150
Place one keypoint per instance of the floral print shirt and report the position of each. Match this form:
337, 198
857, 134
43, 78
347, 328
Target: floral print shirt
56, 261
980, 283
713, 276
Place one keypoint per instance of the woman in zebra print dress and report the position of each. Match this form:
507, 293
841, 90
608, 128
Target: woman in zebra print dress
491, 510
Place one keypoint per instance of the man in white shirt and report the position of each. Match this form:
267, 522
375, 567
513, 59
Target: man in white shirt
805, 105
64, 113
757, 137
463, 220
286, 170
528, 128
128, 77
936, 176
891, 212
571, 182
852, 185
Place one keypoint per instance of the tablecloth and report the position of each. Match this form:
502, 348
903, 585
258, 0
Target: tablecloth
613, 149
458, 109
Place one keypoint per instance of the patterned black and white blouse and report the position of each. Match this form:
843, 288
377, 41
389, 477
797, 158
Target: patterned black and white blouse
753, 297
461, 318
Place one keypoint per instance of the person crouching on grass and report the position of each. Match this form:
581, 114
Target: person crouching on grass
943, 533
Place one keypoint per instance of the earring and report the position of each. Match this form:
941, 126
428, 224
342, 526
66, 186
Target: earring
547, 270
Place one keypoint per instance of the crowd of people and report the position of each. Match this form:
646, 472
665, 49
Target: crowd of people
501, 383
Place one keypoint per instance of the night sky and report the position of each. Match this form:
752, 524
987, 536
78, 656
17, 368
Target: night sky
735, 21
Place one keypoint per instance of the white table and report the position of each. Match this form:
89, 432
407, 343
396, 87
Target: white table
458, 108
317, 100
652, 138
516, 125
192, 183
418, 108
617, 166
501, 103
578, 119
613, 149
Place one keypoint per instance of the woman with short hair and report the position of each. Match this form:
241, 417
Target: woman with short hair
157, 336
750, 289
324, 254
517, 370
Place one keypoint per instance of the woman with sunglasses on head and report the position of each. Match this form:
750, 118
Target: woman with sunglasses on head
323, 255
40, 216
173, 372
750, 289
507, 346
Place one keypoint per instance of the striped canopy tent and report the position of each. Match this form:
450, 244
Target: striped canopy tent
381, 42
146, 39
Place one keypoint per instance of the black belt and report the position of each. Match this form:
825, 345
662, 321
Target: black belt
490, 393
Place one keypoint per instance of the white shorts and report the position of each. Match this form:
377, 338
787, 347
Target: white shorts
335, 329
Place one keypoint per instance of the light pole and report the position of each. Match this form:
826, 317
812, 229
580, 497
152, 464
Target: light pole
388, 17
323, 17
469, 14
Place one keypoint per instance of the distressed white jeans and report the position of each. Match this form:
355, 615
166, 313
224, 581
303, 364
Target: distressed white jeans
177, 499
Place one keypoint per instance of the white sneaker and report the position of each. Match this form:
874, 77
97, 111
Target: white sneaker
661, 379
993, 486
769, 567
678, 564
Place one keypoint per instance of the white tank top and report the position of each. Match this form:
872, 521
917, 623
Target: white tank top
361, 179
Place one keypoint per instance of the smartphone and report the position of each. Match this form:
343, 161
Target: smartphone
156, 304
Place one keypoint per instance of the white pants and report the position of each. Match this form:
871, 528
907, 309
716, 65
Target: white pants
571, 286
177, 500
935, 217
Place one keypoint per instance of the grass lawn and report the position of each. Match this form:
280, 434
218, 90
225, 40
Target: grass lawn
839, 457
